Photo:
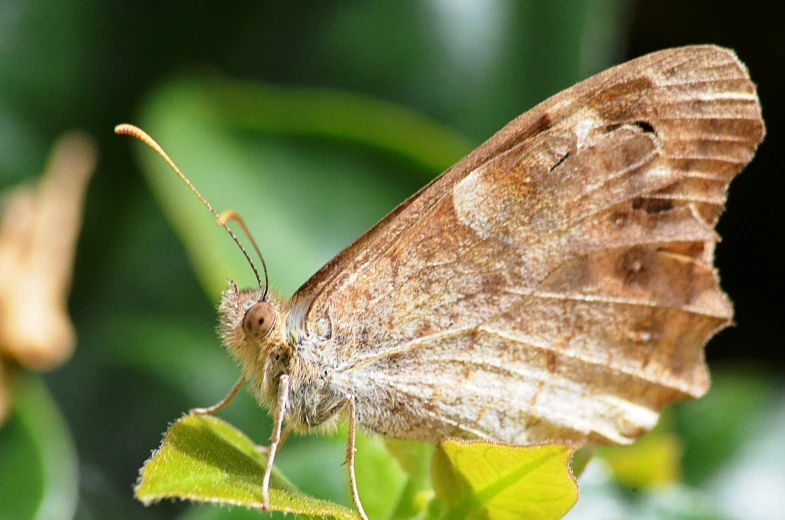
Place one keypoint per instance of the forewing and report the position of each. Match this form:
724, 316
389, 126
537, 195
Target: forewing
557, 283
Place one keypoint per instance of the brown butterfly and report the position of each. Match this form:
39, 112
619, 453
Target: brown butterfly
554, 285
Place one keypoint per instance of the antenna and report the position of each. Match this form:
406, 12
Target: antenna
230, 214
133, 131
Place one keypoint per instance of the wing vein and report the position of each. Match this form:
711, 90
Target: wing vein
590, 298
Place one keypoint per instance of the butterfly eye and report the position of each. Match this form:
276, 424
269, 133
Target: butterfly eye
259, 320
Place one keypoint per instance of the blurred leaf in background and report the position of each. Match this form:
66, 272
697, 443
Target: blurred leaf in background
38, 231
312, 120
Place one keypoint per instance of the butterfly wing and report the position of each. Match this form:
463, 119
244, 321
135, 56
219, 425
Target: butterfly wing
557, 283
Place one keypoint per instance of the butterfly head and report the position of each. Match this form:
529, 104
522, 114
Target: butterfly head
251, 326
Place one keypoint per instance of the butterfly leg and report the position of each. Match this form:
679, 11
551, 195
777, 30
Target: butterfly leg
276, 439
350, 449
223, 403
264, 450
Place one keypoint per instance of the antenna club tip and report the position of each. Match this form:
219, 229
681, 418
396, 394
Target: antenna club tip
128, 129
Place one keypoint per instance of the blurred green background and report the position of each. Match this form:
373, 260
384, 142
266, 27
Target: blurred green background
313, 119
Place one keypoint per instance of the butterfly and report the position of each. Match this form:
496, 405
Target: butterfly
556, 284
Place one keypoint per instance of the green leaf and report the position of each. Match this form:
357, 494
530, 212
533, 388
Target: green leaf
380, 479
38, 464
414, 458
492, 481
336, 114
205, 459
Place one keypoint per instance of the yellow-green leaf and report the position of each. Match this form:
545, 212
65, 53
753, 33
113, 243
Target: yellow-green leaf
479, 480
205, 459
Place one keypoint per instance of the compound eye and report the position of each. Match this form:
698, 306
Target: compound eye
259, 320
